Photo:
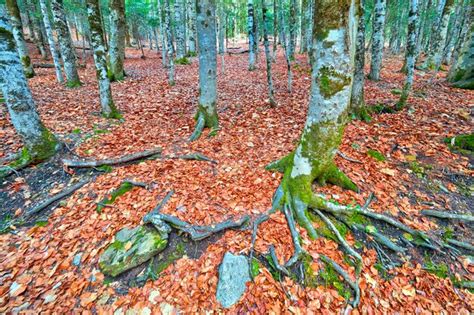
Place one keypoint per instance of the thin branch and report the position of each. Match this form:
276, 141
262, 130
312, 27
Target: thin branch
447, 215
345, 157
121, 160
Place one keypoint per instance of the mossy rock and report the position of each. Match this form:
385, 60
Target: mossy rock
131, 248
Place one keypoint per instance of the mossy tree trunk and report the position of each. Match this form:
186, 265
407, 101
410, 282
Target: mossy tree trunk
462, 75
206, 115
97, 42
435, 55
65, 43
275, 29
39, 142
306, 26
461, 37
410, 53
293, 28
191, 22
358, 106
161, 20
268, 56
117, 39
169, 43
52, 44
331, 83
252, 29
180, 20
14, 11
377, 39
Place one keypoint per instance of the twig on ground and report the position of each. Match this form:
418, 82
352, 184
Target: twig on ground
345, 157
447, 215
121, 160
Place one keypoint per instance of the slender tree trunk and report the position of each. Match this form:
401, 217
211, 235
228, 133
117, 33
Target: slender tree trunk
305, 25
206, 115
118, 28
221, 32
377, 39
97, 42
410, 53
161, 14
52, 44
17, 28
461, 39
36, 24
252, 33
286, 49
39, 142
275, 29
293, 23
358, 106
169, 43
462, 75
180, 29
65, 43
313, 158
268, 56
435, 56
191, 6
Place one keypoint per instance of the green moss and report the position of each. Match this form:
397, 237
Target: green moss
254, 267
396, 92
76, 131
124, 188
41, 223
114, 114
376, 155
182, 61
463, 142
73, 84
5, 224
210, 120
417, 168
361, 113
331, 81
191, 54
440, 270
331, 279
325, 231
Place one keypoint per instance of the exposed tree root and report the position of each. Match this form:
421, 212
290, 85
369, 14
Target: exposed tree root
200, 123
276, 263
121, 160
447, 215
461, 244
192, 156
56, 197
259, 220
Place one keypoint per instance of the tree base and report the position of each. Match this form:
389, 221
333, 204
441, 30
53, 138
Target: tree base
203, 120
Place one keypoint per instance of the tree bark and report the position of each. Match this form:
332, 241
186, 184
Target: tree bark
377, 39
169, 43
191, 21
52, 44
251, 25
275, 29
463, 74
39, 142
206, 29
221, 32
97, 42
65, 43
268, 56
293, 23
179, 12
410, 53
117, 39
358, 106
17, 28
36, 24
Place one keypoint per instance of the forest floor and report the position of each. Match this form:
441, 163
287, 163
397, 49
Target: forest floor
51, 263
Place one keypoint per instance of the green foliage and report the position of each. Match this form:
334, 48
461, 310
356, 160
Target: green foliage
396, 92
41, 223
331, 279
76, 131
376, 155
124, 188
461, 143
104, 168
182, 61
440, 270
254, 267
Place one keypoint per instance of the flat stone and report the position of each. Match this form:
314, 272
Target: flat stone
131, 248
234, 273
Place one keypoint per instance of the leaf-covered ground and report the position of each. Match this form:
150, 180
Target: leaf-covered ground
416, 171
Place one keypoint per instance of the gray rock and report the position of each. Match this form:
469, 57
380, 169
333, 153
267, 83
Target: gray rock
234, 273
131, 248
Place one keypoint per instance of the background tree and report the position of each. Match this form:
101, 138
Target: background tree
268, 56
39, 142
410, 53
191, 23
52, 44
180, 29
97, 42
65, 43
169, 43
252, 34
462, 75
206, 115
117, 39
377, 39
17, 28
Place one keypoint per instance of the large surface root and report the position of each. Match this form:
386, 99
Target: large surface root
110, 162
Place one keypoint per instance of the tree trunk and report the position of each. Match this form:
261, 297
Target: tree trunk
65, 44
358, 106
377, 39
206, 28
435, 56
52, 44
462, 75
39, 142
333, 36
179, 12
169, 43
410, 53
100, 60
275, 29
268, 57
286, 49
251, 25
117, 39
221, 32
36, 24
191, 6
293, 23
305, 25
467, 20
17, 28
161, 15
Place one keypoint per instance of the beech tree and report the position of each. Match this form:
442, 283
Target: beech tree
462, 75
377, 39
117, 39
39, 143
251, 25
268, 56
17, 29
206, 115
191, 24
169, 43
180, 29
65, 43
51, 42
97, 42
